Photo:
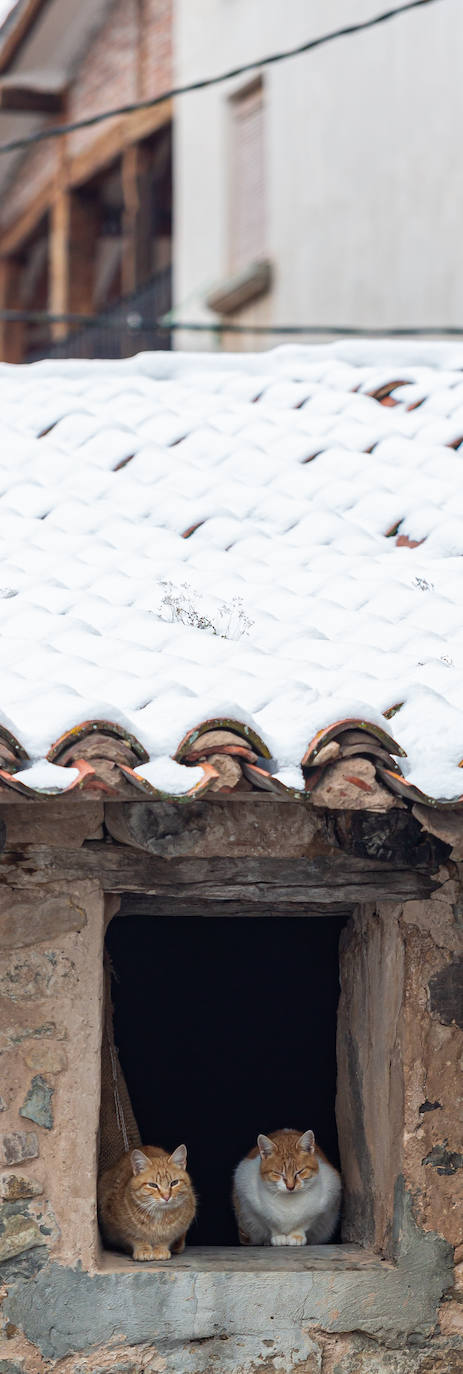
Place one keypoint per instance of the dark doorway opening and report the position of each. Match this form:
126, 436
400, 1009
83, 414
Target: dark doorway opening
226, 1027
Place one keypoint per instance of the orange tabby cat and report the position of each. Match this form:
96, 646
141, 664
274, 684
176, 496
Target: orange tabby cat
285, 1192
146, 1203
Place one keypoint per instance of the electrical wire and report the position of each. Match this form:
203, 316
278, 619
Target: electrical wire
346, 31
141, 326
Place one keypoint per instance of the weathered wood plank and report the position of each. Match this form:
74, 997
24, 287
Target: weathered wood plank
324, 879
261, 1259
255, 825
143, 904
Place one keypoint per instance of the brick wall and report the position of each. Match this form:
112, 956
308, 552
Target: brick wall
109, 76
156, 64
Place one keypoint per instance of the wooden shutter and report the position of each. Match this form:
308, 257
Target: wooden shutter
247, 179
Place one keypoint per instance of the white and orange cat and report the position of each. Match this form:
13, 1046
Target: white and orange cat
286, 1192
146, 1203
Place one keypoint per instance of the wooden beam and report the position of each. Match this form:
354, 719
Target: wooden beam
11, 331
110, 144
16, 233
59, 265
258, 882
136, 186
27, 17
29, 100
72, 257
143, 904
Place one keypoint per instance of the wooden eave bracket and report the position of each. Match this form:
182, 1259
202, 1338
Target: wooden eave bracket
16, 99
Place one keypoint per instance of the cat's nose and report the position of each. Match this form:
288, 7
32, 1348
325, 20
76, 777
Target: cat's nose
290, 1186
166, 1196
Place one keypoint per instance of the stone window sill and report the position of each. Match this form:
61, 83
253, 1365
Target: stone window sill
239, 290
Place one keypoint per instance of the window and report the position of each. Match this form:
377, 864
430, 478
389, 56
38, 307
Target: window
248, 190
225, 1027
204, 947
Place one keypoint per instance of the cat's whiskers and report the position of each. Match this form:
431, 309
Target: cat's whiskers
153, 1206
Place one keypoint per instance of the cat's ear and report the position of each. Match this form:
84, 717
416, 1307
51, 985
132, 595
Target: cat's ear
307, 1142
179, 1157
139, 1161
265, 1146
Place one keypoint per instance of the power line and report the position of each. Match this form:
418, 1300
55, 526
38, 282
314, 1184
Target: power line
59, 129
141, 326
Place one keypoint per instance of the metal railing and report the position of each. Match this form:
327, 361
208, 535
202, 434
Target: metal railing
121, 330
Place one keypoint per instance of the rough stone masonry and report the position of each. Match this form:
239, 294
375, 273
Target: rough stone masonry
391, 1304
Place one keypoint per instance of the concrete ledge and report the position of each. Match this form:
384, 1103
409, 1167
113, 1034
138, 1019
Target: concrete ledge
246, 1293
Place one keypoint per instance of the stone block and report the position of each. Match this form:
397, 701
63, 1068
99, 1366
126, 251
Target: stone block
37, 1103
17, 1146
28, 917
19, 1233
44, 1057
14, 1186
446, 993
352, 785
33, 974
14, 1035
349, 1355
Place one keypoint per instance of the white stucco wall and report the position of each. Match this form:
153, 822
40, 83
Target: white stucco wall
364, 139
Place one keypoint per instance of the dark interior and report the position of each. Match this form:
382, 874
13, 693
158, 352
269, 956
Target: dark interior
226, 1027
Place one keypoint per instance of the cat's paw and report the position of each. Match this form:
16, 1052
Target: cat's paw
151, 1252
294, 1238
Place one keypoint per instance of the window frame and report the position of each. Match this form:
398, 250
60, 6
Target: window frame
240, 263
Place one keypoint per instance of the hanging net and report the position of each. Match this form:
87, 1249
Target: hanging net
118, 1128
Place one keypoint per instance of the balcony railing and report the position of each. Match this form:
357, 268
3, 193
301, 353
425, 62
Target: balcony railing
120, 331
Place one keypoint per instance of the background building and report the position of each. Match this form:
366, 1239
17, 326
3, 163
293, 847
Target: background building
326, 192
85, 219
321, 190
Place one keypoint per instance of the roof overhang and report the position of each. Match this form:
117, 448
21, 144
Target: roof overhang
41, 46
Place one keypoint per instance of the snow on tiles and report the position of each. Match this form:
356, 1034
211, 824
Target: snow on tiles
272, 539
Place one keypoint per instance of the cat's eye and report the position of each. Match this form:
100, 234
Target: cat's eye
173, 1182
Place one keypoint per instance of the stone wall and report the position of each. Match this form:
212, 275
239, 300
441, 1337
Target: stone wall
50, 1034
399, 1054
399, 1057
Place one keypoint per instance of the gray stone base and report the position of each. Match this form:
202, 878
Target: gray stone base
207, 1295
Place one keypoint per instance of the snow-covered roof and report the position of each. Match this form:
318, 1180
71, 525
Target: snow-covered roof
268, 545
